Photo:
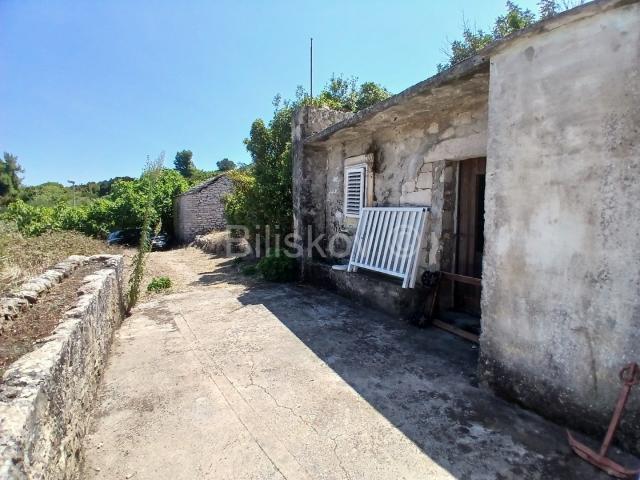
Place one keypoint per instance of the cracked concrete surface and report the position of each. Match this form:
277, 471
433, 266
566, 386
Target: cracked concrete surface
234, 379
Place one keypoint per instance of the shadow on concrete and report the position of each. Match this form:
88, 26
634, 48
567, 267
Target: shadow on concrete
225, 272
422, 380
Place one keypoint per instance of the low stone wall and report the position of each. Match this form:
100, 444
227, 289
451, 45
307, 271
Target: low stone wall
29, 292
47, 393
369, 289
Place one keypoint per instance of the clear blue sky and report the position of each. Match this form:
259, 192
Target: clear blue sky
89, 88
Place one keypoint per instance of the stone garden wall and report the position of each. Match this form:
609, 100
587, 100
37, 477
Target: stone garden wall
46, 394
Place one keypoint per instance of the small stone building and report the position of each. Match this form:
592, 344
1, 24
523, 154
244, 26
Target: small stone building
200, 209
528, 157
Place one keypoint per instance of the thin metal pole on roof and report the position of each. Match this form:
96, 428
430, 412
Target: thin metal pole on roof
311, 69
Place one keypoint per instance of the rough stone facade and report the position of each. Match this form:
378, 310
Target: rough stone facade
554, 109
200, 210
46, 394
413, 163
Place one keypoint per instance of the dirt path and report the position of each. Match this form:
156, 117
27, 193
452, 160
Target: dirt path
229, 379
190, 268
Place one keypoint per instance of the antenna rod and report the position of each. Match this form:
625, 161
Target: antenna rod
311, 69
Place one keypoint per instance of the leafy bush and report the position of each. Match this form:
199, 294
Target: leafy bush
149, 181
263, 191
515, 18
124, 207
277, 267
159, 284
249, 270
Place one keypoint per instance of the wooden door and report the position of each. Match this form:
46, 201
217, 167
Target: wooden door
470, 237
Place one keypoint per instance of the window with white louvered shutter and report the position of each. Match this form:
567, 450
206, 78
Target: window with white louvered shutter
355, 190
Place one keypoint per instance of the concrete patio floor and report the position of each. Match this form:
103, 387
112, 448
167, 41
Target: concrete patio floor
237, 379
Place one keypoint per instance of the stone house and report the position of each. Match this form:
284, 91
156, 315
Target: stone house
200, 209
528, 155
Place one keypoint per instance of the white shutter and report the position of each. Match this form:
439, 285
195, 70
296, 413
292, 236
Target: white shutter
388, 241
354, 194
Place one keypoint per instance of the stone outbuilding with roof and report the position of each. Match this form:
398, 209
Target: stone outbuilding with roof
201, 210
526, 159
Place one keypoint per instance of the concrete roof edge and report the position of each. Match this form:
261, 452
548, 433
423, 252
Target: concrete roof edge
460, 70
472, 64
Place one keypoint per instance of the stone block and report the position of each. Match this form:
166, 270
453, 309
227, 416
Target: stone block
448, 133
425, 180
408, 186
420, 198
427, 167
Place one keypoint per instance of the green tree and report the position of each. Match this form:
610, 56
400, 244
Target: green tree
184, 163
339, 93
548, 8
45, 194
516, 18
342, 93
125, 207
369, 94
263, 189
225, 164
149, 184
10, 179
167, 186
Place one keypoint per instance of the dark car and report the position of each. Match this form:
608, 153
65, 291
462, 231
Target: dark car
131, 237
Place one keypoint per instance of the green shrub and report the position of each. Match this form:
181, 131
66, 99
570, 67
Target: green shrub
159, 284
127, 206
249, 270
149, 181
277, 267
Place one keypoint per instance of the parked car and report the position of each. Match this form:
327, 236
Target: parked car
131, 237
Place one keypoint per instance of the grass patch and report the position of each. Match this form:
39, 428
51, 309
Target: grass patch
159, 284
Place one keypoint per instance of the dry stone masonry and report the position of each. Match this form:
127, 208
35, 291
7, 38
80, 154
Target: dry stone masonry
46, 394
201, 209
31, 290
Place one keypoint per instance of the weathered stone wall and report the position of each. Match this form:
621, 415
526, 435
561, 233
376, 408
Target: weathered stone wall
414, 165
369, 289
308, 168
46, 394
200, 210
561, 286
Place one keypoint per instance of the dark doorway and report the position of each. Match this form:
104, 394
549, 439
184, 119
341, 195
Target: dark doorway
470, 233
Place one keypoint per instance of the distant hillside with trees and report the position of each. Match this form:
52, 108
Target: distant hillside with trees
95, 208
